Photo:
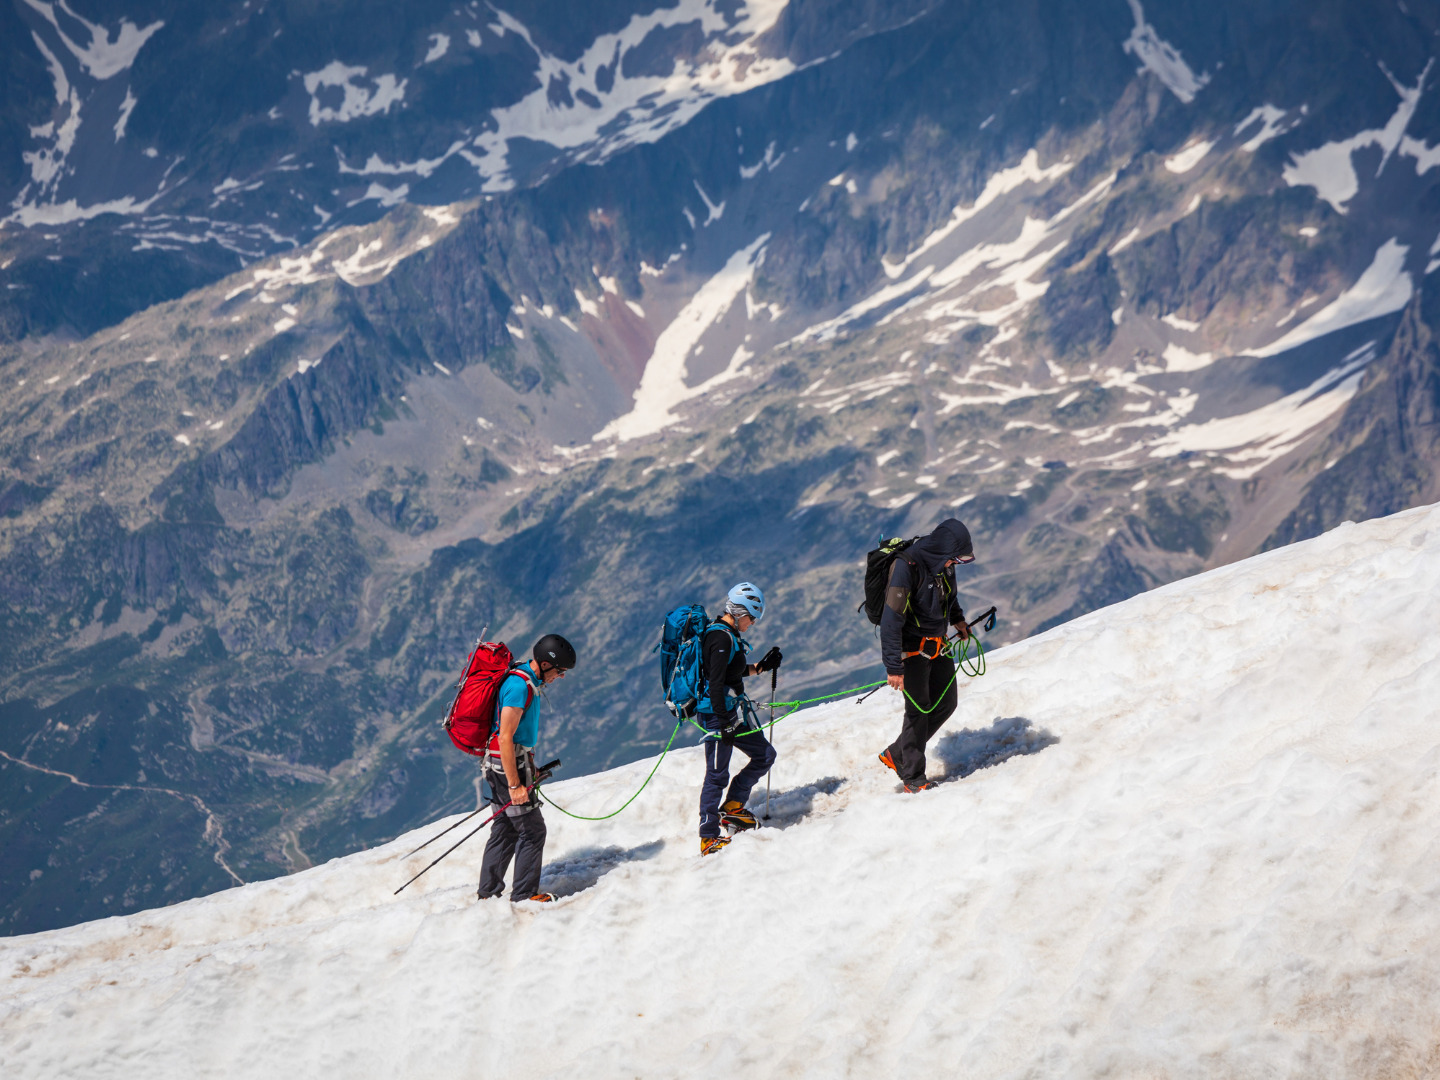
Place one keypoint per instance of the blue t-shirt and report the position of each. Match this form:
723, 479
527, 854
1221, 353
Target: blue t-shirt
513, 691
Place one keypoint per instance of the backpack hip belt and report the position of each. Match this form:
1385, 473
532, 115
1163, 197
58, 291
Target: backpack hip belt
939, 648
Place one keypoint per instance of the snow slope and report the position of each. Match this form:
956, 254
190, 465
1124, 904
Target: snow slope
1194, 834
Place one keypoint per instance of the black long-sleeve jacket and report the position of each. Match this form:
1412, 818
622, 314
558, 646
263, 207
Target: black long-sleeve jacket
723, 672
921, 600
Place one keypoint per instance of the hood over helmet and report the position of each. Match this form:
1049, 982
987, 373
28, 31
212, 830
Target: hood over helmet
950, 540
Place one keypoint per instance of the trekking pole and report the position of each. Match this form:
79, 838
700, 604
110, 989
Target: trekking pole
437, 836
774, 675
543, 773
457, 843
859, 700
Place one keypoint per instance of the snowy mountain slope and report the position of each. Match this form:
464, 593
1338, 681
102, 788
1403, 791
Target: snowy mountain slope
1187, 835
1137, 290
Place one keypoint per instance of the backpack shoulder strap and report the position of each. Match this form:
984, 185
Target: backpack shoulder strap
902, 556
734, 641
523, 672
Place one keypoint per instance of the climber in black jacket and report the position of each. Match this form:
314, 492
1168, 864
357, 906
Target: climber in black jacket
920, 601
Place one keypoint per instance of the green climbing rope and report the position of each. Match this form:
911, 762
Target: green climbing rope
959, 650
604, 817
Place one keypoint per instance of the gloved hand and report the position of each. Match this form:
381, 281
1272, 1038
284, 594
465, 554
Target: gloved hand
771, 660
733, 724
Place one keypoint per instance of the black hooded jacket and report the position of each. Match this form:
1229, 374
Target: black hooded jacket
920, 600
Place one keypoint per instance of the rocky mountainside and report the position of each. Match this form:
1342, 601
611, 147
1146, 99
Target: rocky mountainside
398, 327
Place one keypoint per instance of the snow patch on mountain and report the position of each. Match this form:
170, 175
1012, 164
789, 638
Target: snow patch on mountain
1179, 358
439, 46
421, 167
1028, 171
768, 163
1188, 158
1383, 288
1162, 59
370, 256
1121, 244
990, 270
1257, 438
1271, 121
1012, 264
126, 108
1191, 834
47, 163
39, 201
597, 105
1426, 157
663, 386
101, 57
357, 99
1329, 168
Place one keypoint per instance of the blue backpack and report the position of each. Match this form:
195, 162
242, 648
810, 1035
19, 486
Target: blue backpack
682, 675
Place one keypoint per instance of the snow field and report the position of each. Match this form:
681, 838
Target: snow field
1190, 835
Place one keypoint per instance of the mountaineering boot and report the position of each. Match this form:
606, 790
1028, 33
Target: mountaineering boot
542, 897
711, 844
888, 761
734, 817
924, 785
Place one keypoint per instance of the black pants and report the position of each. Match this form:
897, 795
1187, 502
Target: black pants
518, 833
928, 682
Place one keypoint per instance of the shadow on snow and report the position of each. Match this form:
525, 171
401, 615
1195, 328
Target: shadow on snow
793, 806
961, 752
965, 752
583, 869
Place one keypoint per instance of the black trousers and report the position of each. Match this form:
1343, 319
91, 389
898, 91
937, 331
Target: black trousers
518, 833
929, 683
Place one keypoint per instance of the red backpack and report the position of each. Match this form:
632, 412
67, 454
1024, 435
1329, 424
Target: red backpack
471, 720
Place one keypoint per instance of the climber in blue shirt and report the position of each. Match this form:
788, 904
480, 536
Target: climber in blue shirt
510, 773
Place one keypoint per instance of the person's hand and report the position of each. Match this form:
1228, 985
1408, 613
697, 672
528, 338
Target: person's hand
897, 682
732, 725
519, 795
962, 631
770, 661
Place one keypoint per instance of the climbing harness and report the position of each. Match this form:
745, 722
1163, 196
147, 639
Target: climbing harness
957, 648
543, 773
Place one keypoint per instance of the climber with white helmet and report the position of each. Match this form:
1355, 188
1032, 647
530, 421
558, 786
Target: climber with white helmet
728, 721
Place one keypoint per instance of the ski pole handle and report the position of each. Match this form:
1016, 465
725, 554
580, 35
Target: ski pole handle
987, 617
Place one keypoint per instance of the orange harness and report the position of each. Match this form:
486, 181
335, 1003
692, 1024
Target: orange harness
939, 648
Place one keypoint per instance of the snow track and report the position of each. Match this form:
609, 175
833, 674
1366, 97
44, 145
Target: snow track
1190, 835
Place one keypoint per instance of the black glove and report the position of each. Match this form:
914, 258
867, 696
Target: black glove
771, 660
732, 725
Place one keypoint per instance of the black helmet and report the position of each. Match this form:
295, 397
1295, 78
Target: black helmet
554, 650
